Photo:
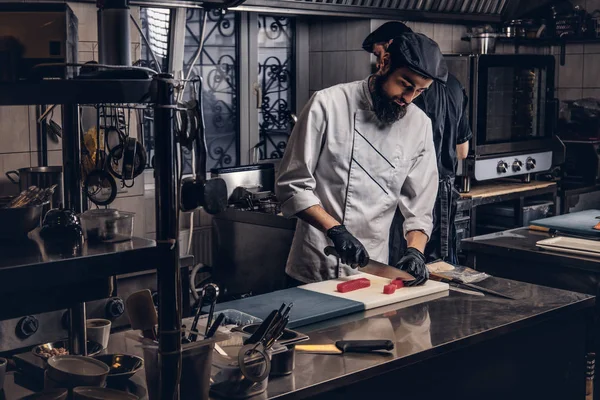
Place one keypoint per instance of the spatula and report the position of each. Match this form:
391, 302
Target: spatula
142, 314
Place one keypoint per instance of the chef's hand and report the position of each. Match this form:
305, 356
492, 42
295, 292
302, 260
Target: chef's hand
350, 249
413, 262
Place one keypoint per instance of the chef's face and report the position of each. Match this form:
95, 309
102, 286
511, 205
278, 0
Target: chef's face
402, 85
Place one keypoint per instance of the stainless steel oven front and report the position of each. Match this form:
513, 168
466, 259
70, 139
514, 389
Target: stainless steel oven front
512, 110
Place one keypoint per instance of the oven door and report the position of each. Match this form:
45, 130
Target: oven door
515, 105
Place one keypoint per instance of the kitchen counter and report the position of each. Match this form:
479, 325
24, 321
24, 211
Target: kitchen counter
480, 347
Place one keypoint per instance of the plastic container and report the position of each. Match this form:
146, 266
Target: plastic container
195, 368
107, 225
231, 382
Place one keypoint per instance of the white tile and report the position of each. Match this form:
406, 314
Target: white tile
88, 23
358, 65
441, 32
14, 129
86, 46
459, 45
86, 56
334, 68
136, 190
136, 205
591, 48
595, 93
315, 36
55, 157
150, 214
376, 23
571, 74
315, 69
9, 162
334, 35
569, 94
591, 71
56, 116
428, 29
356, 32
574, 48
136, 52
592, 5
135, 34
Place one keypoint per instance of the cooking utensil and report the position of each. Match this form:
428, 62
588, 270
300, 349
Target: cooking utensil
376, 268
93, 348
100, 187
215, 326
194, 328
211, 293
483, 43
74, 371
443, 278
122, 366
347, 346
142, 314
18, 222
107, 225
41, 177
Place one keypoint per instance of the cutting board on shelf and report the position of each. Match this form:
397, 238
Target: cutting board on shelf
373, 296
577, 223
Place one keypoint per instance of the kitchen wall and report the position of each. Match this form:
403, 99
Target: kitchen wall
336, 55
18, 137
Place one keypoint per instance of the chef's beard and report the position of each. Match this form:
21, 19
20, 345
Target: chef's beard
387, 110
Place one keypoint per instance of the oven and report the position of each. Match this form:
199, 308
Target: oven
513, 113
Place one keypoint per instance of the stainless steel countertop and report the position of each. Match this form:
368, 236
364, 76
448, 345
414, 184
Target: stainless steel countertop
420, 329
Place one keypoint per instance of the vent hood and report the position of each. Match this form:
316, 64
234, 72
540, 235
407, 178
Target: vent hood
459, 11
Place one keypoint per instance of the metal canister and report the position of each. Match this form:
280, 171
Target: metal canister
42, 177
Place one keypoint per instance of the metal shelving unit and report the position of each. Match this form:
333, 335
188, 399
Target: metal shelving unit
33, 269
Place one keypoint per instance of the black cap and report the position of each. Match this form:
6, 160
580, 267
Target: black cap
420, 54
384, 33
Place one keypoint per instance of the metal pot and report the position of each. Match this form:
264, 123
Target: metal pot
18, 222
483, 43
42, 177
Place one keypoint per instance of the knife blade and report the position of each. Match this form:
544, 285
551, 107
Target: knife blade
454, 287
446, 279
376, 268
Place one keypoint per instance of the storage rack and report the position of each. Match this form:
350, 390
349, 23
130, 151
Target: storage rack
31, 269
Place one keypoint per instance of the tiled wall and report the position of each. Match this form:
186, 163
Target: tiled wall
336, 55
18, 137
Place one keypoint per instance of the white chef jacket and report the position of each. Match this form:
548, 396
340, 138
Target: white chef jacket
359, 170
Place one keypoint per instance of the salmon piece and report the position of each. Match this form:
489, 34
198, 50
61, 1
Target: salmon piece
352, 285
399, 283
389, 289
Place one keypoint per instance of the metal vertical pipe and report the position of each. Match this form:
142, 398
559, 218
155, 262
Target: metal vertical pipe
71, 152
169, 280
42, 137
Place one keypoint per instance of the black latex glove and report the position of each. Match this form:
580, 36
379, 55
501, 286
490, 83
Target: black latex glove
350, 249
413, 262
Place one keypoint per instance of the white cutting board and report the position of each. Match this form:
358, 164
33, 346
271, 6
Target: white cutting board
566, 244
373, 296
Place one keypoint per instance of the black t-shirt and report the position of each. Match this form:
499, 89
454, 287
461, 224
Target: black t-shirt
446, 106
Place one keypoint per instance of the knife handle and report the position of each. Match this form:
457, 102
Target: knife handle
363, 346
331, 251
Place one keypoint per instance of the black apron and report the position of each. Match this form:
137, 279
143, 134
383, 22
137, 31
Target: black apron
442, 243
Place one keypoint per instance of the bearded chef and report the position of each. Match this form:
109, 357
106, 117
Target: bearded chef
358, 152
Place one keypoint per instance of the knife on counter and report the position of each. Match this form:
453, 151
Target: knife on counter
376, 268
347, 346
443, 278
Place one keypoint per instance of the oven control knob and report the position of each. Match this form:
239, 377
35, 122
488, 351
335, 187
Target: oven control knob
530, 163
517, 165
115, 308
27, 326
502, 167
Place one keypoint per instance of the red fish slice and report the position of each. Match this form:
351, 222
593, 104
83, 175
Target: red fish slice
389, 289
399, 283
355, 284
